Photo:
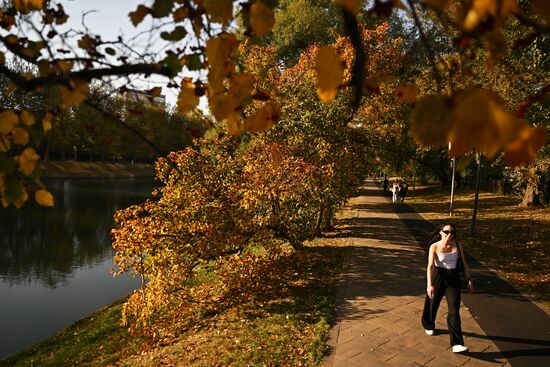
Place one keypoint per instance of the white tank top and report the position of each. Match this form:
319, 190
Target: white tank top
446, 260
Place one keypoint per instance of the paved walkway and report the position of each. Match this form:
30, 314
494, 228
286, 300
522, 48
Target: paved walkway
381, 297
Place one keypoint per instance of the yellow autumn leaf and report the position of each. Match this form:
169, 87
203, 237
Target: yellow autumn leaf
508, 7
330, 73
478, 12
481, 122
222, 105
180, 14
430, 121
233, 123
20, 136
352, 6
8, 120
524, 149
86, 42
139, 14
242, 86
28, 5
44, 198
75, 93
263, 119
221, 52
64, 66
187, 99
47, 122
27, 118
220, 11
27, 161
262, 18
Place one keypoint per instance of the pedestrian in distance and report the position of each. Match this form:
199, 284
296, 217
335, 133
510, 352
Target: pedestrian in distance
403, 190
395, 191
385, 184
445, 262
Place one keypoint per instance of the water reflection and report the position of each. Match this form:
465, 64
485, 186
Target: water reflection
54, 261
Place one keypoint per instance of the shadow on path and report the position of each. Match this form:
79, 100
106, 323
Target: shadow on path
517, 326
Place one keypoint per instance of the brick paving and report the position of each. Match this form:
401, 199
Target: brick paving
381, 296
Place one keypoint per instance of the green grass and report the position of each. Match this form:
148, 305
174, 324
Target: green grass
96, 340
511, 239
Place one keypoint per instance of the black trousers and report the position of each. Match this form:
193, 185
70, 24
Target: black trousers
446, 283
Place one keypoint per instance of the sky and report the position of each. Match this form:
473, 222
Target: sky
109, 18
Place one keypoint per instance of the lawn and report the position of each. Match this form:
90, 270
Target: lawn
511, 239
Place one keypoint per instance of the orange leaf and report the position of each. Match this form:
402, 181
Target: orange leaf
234, 125
187, 99
20, 136
263, 119
139, 14
27, 161
44, 198
330, 73
430, 121
262, 18
524, 149
220, 11
27, 118
180, 14
221, 52
8, 120
480, 121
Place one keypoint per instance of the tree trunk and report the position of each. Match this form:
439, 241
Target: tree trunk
327, 220
530, 196
317, 232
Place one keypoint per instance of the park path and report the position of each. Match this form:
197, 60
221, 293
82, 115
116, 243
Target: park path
381, 296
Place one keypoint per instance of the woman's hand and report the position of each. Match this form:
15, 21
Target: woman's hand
470, 286
430, 291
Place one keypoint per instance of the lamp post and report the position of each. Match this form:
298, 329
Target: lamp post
453, 163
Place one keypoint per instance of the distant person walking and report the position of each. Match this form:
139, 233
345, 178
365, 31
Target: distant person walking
385, 184
403, 190
445, 261
395, 191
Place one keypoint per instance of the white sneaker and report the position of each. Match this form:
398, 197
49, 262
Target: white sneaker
459, 348
429, 332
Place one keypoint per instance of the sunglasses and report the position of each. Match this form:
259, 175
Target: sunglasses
448, 232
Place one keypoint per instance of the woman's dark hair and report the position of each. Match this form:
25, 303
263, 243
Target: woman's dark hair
436, 235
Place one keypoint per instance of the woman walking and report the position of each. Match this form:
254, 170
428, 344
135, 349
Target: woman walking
445, 257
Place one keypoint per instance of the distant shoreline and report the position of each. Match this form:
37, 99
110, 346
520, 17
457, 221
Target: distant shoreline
57, 170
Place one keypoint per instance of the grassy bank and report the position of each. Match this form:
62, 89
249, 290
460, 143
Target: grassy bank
511, 239
72, 169
287, 326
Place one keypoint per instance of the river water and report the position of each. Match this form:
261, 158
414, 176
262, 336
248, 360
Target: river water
54, 262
